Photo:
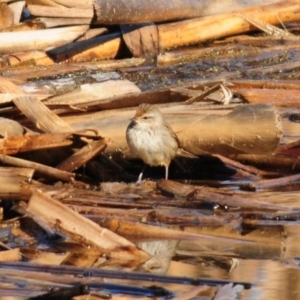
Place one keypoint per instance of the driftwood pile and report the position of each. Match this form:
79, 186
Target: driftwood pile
72, 75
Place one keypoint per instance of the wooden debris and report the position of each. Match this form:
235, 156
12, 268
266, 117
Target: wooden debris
90, 92
222, 136
81, 229
141, 39
72, 220
39, 39
183, 33
43, 169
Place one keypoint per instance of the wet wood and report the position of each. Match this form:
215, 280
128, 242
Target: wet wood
207, 195
182, 217
150, 232
82, 229
98, 273
256, 244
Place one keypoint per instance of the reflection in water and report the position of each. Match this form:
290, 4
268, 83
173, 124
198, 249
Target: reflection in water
274, 279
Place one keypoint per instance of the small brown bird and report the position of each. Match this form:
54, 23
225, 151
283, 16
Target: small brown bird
151, 138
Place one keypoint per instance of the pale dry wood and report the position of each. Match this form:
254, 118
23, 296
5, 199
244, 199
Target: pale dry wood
44, 2
66, 220
191, 31
74, 3
246, 129
7, 98
93, 33
284, 98
162, 252
6, 15
125, 101
14, 186
17, 8
39, 39
61, 12
40, 115
23, 143
11, 255
42, 169
193, 293
59, 22
35, 110
95, 91
82, 156
26, 173
10, 128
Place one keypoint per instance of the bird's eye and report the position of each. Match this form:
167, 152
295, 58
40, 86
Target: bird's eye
145, 118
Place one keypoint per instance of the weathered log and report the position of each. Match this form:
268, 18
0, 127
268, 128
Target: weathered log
137, 11
39, 39
247, 129
203, 29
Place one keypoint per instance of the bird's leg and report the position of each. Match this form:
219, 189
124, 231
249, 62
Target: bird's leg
167, 172
141, 175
